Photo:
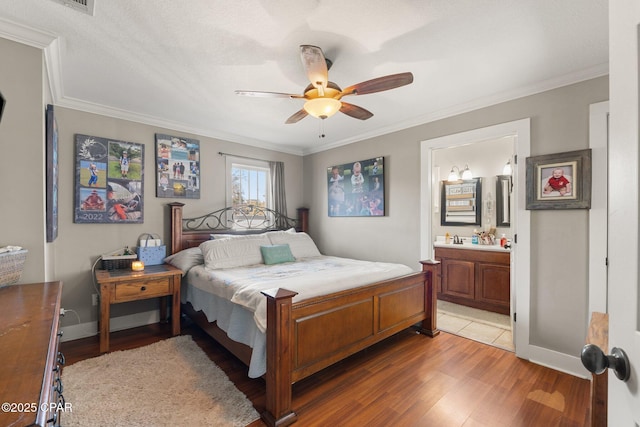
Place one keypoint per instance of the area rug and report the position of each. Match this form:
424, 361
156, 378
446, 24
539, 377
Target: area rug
168, 383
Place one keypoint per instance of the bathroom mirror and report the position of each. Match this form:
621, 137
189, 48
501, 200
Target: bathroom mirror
461, 202
503, 200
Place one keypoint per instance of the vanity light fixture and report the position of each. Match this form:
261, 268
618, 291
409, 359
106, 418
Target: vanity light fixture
466, 173
453, 175
507, 168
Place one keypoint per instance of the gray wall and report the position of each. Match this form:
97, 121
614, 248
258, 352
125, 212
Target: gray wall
72, 254
23, 172
559, 122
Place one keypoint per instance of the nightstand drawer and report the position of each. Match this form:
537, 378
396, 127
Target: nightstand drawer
142, 289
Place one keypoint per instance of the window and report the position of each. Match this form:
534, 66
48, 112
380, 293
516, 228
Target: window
249, 183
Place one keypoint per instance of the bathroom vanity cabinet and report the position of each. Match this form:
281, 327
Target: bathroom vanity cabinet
474, 277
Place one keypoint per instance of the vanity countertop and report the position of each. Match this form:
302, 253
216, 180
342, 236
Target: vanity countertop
470, 246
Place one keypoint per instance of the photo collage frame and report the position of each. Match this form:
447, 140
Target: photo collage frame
178, 167
109, 181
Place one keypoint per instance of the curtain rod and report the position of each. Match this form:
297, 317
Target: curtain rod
241, 157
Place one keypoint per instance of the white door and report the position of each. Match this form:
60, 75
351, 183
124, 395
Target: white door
624, 237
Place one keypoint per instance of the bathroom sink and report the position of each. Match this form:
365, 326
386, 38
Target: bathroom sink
470, 246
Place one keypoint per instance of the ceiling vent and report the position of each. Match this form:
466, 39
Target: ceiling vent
85, 6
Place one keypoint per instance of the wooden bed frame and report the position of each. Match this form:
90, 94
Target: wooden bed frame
307, 336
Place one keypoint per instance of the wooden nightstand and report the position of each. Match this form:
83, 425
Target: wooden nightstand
154, 281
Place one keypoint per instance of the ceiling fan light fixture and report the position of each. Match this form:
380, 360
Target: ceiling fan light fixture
323, 96
322, 108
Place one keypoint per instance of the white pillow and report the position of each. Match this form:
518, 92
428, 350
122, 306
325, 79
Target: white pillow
237, 252
186, 259
301, 244
289, 231
217, 236
220, 236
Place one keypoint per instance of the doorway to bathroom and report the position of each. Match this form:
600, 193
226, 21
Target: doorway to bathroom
477, 151
463, 307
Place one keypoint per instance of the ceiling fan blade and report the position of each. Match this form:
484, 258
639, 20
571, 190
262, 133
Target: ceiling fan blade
259, 94
296, 117
380, 84
315, 65
355, 111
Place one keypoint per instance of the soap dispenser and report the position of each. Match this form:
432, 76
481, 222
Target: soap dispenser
503, 240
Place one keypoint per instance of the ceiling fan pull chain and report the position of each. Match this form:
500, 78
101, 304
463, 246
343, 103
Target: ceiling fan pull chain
321, 129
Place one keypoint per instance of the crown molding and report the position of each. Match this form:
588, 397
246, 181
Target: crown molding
102, 110
599, 70
26, 35
49, 44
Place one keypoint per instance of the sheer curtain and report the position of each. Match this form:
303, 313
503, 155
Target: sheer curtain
277, 184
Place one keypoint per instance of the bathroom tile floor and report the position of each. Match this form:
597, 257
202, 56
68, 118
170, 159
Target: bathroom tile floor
479, 325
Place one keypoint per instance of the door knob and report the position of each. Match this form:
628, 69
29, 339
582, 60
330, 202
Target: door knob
594, 359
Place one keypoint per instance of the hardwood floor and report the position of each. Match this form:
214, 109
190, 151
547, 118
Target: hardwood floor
407, 380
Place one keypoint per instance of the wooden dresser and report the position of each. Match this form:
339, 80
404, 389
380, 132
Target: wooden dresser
475, 278
30, 363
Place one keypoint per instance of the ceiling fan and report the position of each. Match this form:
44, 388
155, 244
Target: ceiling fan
324, 98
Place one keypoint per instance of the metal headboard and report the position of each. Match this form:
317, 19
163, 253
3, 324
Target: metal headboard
242, 219
248, 219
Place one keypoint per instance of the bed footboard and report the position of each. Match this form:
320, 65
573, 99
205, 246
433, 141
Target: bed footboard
310, 335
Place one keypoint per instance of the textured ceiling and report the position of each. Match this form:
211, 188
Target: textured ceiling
176, 64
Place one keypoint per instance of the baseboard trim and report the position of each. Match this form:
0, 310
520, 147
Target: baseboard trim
568, 364
89, 329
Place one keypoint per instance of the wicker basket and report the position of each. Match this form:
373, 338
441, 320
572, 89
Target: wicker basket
117, 262
11, 266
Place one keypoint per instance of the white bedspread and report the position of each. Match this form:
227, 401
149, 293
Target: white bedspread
308, 277
233, 299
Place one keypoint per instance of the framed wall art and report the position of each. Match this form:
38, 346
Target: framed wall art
461, 202
178, 167
559, 181
356, 188
109, 181
52, 173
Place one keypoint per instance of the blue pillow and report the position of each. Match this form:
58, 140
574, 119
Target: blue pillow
276, 254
